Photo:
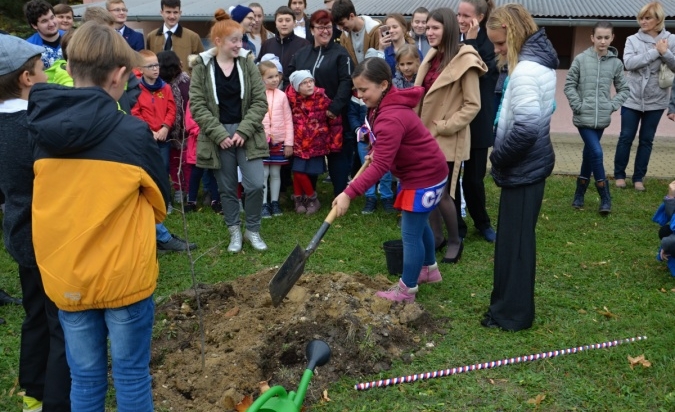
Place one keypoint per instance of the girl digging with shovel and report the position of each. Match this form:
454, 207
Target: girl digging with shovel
397, 137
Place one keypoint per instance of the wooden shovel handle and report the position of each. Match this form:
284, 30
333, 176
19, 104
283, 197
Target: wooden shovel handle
333, 212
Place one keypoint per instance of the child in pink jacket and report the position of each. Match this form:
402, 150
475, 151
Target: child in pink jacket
278, 123
197, 173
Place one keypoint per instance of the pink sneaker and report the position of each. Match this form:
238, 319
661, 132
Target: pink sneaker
430, 274
399, 293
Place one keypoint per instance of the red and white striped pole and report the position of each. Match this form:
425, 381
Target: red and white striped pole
489, 365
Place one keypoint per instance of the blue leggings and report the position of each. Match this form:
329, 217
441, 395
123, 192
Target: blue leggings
418, 245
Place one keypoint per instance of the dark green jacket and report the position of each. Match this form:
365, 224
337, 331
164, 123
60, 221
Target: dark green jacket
588, 88
204, 109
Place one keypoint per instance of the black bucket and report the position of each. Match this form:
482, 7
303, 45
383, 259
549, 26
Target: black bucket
393, 251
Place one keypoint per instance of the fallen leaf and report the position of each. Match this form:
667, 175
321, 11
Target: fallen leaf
583, 312
569, 243
264, 386
473, 295
640, 360
663, 290
672, 290
324, 396
566, 275
583, 266
244, 404
232, 312
606, 313
16, 384
537, 400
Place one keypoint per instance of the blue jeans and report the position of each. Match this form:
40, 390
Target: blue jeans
129, 329
629, 125
591, 162
385, 181
164, 151
418, 245
162, 233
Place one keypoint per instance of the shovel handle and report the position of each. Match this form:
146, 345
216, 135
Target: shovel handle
330, 218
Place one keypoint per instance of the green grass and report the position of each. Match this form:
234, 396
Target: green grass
585, 263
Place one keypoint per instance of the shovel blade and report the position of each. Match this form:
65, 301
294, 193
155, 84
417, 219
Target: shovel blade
287, 275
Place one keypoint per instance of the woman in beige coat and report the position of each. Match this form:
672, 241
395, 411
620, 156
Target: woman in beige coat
449, 74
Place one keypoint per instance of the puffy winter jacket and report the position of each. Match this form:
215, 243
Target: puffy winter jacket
278, 120
643, 63
588, 85
310, 123
523, 153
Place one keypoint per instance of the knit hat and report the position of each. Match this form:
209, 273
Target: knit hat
274, 59
15, 52
239, 12
298, 77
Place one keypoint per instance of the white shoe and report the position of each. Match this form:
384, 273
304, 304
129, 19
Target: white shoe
256, 240
235, 239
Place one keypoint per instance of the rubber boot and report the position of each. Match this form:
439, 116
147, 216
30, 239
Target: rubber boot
582, 185
605, 198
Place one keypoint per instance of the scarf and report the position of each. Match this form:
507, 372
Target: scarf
159, 83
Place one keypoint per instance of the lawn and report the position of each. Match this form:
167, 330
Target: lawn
597, 280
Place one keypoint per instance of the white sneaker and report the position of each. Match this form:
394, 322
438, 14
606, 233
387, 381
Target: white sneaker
256, 240
235, 239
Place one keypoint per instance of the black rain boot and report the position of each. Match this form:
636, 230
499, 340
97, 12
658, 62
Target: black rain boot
605, 198
582, 185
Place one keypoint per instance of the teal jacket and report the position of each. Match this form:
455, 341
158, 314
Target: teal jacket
588, 88
204, 109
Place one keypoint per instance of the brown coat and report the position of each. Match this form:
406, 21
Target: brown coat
185, 42
453, 101
371, 38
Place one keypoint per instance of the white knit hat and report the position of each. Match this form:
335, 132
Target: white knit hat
274, 59
298, 77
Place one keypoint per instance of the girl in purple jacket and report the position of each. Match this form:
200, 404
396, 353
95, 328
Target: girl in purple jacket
397, 137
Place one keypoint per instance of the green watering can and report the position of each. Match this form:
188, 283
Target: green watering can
276, 399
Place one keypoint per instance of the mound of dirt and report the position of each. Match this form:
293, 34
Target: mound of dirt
247, 340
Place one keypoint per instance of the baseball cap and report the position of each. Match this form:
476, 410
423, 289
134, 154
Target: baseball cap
15, 52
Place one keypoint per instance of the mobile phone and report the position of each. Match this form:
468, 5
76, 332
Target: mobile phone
384, 30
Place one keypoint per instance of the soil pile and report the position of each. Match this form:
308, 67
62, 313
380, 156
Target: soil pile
247, 340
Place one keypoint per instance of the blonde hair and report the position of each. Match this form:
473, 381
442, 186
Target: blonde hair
224, 26
265, 66
98, 15
518, 24
654, 9
109, 3
95, 51
401, 22
407, 50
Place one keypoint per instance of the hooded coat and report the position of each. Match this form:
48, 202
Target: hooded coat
588, 88
100, 187
400, 138
523, 153
453, 101
204, 108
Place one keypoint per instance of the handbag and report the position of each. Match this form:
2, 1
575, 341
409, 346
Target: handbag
666, 76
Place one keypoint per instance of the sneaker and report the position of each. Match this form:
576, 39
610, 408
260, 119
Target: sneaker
312, 204
399, 293
175, 244
256, 240
430, 274
217, 207
235, 239
371, 205
31, 404
388, 205
276, 209
178, 197
266, 211
190, 207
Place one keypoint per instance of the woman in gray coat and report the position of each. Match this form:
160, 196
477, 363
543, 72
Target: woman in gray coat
645, 51
587, 88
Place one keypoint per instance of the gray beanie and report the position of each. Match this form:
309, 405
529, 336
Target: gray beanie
298, 77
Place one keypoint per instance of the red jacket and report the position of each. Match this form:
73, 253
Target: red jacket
314, 134
403, 145
156, 108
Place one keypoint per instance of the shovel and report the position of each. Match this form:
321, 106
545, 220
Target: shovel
292, 269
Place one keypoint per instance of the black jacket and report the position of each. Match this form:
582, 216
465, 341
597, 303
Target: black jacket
481, 126
332, 69
284, 49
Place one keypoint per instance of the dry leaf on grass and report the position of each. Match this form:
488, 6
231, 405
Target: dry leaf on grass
536, 401
244, 404
324, 396
640, 360
606, 313
232, 312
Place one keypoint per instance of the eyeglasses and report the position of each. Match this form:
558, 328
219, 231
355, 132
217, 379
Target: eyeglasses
323, 28
118, 10
151, 66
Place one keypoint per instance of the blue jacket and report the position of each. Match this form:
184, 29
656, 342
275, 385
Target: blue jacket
664, 217
356, 114
50, 55
134, 38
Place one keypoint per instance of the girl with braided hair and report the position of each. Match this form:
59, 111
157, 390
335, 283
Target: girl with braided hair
397, 137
